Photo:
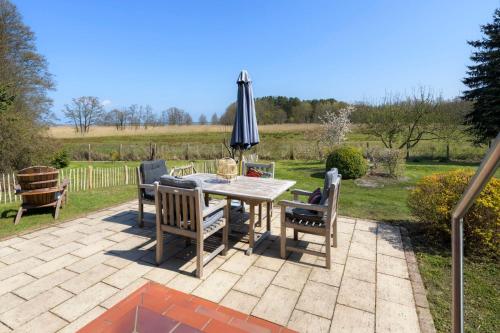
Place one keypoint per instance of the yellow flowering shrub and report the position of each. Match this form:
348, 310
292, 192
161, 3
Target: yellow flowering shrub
435, 196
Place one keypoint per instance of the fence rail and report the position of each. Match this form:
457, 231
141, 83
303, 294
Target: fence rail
268, 150
87, 178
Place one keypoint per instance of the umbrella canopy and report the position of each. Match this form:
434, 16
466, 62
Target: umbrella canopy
245, 131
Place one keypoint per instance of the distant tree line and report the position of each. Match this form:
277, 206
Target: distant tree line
281, 109
87, 111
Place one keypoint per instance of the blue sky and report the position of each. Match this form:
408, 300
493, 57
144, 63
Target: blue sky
189, 53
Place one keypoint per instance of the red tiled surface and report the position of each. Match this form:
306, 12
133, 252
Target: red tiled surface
156, 308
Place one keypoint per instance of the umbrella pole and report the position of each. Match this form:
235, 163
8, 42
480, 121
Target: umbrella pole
241, 162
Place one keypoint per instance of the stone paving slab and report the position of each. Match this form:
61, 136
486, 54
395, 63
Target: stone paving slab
62, 277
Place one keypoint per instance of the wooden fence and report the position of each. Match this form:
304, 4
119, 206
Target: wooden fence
86, 178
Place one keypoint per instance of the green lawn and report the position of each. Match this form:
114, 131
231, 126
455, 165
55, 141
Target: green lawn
387, 203
482, 287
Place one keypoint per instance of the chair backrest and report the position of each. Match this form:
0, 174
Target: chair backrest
331, 192
37, 177
183, 170
39, 185
149, 172
330, 178
179, 207
267, 168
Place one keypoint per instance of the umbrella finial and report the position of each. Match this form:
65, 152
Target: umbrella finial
244, 76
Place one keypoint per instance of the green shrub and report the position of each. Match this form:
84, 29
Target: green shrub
349, 161
387, 161
114, 156
435, 196
60, 159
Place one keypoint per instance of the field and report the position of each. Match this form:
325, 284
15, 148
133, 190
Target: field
195, 142
68, 132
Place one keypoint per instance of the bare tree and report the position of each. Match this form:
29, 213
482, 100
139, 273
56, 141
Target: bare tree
449, 119
202, 120
176, 116
215, 119
148, 115
403, 123
84, 111
135, 114
117, 118
186, 119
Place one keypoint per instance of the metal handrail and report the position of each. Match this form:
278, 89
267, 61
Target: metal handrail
483, 174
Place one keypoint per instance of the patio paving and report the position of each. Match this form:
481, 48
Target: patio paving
62, 277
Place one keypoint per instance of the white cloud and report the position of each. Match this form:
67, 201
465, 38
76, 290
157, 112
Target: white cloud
106, 102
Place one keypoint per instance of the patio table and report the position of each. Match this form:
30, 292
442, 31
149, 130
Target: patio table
251, 190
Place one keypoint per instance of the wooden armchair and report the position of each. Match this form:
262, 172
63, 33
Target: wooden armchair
39, 187
317, 219
147, 173
268, 172
181, 210
183, 170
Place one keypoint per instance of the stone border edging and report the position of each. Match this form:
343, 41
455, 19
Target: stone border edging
419, 293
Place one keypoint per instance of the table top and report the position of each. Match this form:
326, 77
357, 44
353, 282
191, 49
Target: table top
243, 187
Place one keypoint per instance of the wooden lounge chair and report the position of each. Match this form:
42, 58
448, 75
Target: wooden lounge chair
183, 170
268, 172
39, 187
317, 219
181, 210
148, 172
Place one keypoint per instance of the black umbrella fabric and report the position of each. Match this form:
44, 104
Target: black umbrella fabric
245, 132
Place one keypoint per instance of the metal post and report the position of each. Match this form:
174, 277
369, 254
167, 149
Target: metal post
483, 174
457, 285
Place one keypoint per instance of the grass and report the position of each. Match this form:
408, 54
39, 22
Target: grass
482, 287
387, 203
80, 203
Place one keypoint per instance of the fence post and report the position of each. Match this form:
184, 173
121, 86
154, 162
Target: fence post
126, 175
121, 151
5, 189
90, 159
8, 188
90, 177
14, 185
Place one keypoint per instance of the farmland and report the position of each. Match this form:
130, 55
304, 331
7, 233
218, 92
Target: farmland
197, 142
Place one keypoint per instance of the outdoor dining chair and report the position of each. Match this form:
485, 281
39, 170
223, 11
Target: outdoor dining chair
265, 170
318, 219
183, 170
181, 211
148, 172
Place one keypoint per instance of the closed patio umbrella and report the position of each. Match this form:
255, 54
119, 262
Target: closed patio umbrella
245, 132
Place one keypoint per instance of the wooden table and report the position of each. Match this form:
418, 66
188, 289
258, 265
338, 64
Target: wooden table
251, 190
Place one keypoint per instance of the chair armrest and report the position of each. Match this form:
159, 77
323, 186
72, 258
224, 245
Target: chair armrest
146, 186
296, 204
214, 208
300, 192
65, 183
